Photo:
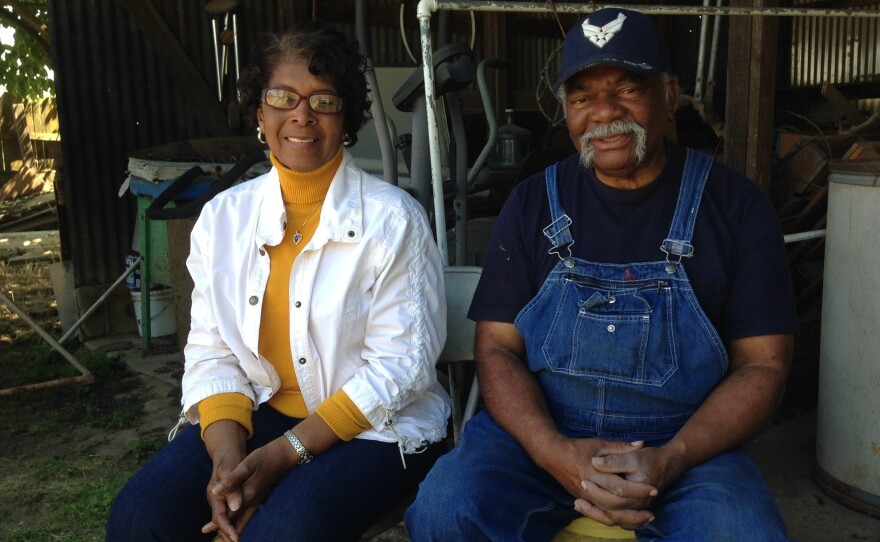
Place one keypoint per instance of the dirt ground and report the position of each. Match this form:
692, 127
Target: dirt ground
66, 450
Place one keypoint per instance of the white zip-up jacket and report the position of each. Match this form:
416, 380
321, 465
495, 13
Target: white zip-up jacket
367, 304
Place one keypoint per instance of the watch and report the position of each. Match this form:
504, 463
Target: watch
304, 455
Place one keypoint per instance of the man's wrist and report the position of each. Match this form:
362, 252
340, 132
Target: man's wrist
547, 450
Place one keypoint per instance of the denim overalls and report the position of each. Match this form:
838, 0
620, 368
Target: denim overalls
623, 351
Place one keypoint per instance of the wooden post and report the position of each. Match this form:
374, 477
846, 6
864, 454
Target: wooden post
24, 137
751, 80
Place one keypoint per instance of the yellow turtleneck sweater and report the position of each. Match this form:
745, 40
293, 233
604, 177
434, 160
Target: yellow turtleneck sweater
303, 195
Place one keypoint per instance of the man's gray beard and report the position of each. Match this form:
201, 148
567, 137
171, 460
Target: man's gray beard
611, 129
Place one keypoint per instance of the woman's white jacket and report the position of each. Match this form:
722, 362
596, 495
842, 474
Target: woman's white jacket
367, 304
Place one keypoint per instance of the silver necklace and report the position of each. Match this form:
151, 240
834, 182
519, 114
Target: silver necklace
297, 236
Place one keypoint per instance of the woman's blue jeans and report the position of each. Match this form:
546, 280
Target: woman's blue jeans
489, 489
337, 496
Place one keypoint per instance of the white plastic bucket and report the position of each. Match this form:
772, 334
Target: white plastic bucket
163, 319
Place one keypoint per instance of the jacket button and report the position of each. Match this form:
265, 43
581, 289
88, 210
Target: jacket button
262, 251
298, 304
351, 234
253, 300
302, 361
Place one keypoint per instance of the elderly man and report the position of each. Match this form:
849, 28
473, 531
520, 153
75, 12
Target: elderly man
634, 327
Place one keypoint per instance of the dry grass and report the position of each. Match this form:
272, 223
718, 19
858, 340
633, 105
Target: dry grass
27, 285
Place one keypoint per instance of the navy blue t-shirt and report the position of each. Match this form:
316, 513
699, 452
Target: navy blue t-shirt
739, 270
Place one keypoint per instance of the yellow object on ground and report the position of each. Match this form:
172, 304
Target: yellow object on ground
590, 530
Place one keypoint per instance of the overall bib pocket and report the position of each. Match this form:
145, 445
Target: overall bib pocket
606, 333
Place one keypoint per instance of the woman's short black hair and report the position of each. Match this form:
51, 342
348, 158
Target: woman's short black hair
328, 52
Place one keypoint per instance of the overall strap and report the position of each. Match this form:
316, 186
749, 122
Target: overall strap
558, 231
677, 244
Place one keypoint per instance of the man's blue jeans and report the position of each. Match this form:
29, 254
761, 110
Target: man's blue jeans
335, 497
488, 488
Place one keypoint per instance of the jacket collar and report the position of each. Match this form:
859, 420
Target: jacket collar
342, 214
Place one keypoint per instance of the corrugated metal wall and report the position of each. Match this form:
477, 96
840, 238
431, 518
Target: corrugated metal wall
115, 96
837, 50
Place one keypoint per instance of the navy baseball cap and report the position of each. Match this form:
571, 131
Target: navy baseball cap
613, 37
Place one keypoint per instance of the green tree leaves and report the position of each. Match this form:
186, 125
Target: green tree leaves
25, 65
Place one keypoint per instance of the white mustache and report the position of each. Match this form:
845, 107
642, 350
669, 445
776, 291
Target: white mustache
612, 129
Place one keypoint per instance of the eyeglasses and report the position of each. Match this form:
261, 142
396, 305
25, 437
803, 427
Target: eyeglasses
287, 99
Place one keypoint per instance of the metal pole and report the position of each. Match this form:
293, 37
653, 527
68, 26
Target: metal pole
490, 120
424, 13
713, 57
146, 278
217, 58
804, 236
377, 108
701, 55
100, 300
46, 337
235, 48
650, 9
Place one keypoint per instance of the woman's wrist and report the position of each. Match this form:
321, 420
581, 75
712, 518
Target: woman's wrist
224, 434
303, 456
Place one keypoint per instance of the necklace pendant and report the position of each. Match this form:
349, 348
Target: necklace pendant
297, 237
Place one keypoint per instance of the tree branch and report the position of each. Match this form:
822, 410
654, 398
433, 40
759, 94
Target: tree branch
23, 18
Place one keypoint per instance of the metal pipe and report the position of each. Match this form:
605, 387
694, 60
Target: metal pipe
803, 236
420, 156
424, 10
460, 207
217, 58
146, 279
235, 48
46, 337
224, 56
713, 57
386, 146
100, 300
489, 110
650, 9
701, 55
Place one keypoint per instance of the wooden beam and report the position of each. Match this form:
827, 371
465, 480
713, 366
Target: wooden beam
751, 77
198, 96
842, 105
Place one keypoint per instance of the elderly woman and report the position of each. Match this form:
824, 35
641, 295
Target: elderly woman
317, 318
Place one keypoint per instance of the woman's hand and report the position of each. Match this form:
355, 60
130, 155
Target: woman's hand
240, 493
225, 443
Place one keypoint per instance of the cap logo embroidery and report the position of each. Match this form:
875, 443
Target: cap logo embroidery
600, 35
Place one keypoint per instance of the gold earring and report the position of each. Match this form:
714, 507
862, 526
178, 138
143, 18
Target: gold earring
261, 137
